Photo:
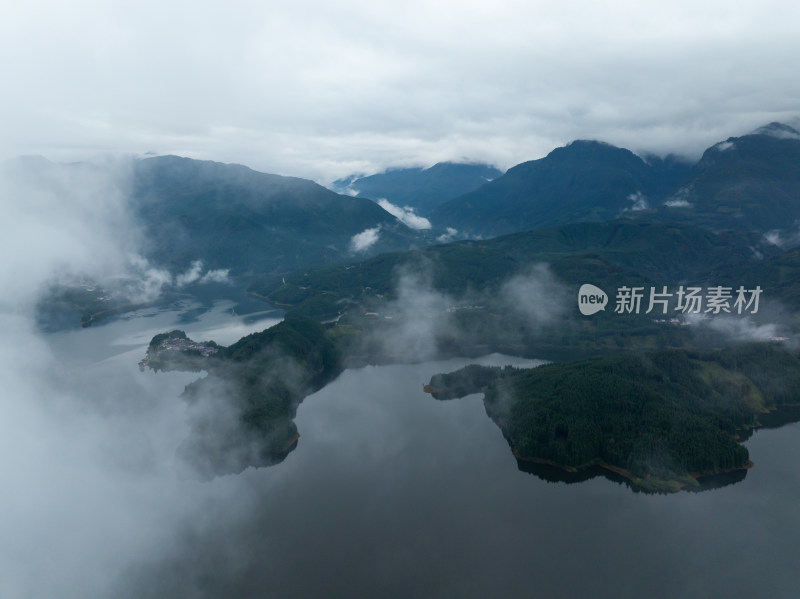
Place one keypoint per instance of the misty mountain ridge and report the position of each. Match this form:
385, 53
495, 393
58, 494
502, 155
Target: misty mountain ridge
748, 183
189, 222
610, 254
422, 189
779, 130
583, 181
233, 217
226, 215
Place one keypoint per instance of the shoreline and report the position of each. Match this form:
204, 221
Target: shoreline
657, 484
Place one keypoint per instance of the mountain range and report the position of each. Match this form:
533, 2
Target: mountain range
748, 183
261, 226
230, 216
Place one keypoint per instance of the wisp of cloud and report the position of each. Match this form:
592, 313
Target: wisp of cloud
87, 450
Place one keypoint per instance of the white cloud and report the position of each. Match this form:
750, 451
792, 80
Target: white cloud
680, 199
773, 237
219, 275
782, 131
638, 202
405, 215
449, 234
146, 282
785, 239
677, 203
191, 275
361, 242
742, 329
87, 453
195, 275
536, 295
360, 87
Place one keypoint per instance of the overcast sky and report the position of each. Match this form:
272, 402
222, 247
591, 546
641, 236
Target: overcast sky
320, 89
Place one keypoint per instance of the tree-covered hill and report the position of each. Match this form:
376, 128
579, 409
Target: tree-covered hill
663, 419
230, 216
609, 253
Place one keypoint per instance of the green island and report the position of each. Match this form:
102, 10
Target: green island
662, 420
261, 379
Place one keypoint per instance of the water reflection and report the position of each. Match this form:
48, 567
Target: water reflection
554, 474
392, 494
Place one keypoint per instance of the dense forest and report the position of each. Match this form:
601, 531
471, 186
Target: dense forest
663, 417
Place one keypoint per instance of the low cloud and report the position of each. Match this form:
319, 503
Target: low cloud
144, 283
405, 215
219, 441
59, 219
87, 445
680, 199
778, 130
536, 295
361, 242
774, 237
419, 316
191, 275
724, 146
785, 239
677, 203
420, 319
219, 275
195, 275
448, 236
639, 202
742, 329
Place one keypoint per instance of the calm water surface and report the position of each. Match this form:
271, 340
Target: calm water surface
393, 494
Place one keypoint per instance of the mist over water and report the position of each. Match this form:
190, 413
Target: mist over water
393, 494
91, 484
389, 492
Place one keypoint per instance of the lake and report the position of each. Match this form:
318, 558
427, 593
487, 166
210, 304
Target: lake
390, 493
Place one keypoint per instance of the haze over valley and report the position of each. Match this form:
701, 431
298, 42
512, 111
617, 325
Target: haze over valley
341, 300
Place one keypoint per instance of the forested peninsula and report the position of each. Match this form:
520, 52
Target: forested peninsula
662, 419
253, 387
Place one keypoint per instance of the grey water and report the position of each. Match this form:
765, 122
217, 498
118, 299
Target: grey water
390, 493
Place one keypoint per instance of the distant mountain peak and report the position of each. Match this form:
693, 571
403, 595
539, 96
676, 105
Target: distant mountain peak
779, 130
591, 150
591, 143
